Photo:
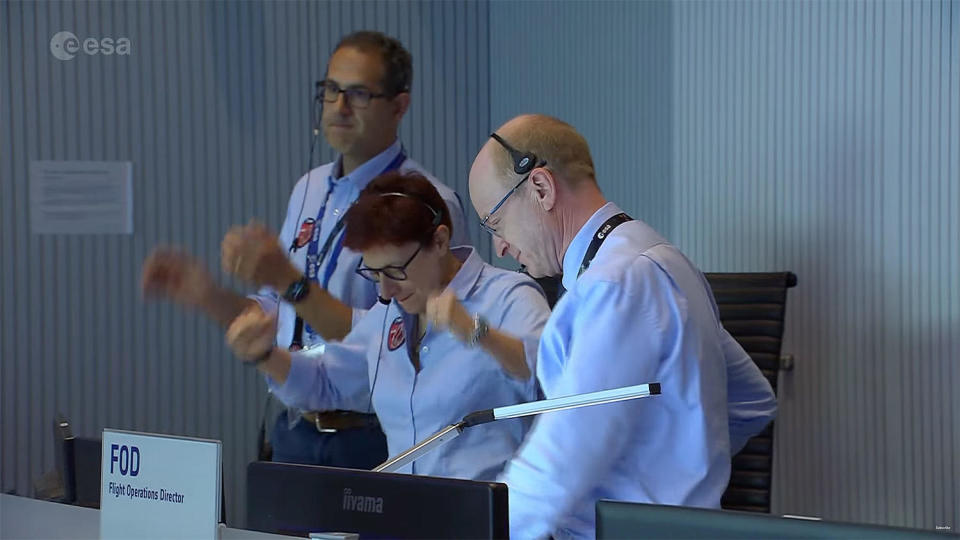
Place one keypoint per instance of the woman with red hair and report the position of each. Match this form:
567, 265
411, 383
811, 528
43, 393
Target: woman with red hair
451, 335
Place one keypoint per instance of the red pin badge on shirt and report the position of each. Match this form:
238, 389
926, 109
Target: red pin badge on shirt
396, 337
306, 232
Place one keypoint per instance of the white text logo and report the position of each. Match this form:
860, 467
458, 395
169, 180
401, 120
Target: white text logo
65, 45
360, 503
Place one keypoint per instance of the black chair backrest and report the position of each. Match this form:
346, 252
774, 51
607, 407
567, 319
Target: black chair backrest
752, 308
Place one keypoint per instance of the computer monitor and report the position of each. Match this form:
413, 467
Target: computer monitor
300, 499
616, 519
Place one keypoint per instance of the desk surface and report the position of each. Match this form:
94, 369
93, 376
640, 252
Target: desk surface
21, 517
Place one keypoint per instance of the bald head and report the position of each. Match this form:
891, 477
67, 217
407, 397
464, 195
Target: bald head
552, 140
534, 215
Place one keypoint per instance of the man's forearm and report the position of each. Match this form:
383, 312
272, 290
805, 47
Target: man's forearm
276, 365
223, 305
329, 317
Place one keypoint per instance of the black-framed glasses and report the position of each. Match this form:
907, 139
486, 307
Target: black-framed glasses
357, 96
398, 272
394, 271
523, 163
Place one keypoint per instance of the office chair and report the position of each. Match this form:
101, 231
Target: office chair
752, 308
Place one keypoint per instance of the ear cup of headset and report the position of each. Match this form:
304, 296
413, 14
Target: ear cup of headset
524, 163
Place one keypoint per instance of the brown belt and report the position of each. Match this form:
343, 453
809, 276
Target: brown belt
334, 421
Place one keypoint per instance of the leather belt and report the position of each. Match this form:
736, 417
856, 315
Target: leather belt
334, 421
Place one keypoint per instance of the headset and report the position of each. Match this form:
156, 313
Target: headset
437, 217
316, 113
376, 371
523, 162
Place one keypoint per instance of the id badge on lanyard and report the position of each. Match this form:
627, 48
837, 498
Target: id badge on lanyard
317, 255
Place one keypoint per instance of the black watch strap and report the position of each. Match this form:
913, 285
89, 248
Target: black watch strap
297, 290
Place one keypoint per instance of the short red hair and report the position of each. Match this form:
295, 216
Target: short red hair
377, 219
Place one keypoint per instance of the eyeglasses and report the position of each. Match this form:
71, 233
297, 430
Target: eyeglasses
398, 272
394, 272
523, 162
357, 96
483, 222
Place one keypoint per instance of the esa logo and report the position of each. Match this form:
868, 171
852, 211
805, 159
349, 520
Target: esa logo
65, 45
127, 459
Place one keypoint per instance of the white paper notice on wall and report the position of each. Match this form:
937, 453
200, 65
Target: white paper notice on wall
81, 197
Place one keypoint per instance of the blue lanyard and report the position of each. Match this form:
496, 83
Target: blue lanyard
316, 255
313, 258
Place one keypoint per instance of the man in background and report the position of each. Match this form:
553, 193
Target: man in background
366, 93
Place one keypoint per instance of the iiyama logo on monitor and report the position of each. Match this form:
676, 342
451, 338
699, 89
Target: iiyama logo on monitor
361, 503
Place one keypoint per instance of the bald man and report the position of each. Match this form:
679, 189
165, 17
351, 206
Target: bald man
636, 311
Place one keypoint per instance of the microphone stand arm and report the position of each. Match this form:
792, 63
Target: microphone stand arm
452, 431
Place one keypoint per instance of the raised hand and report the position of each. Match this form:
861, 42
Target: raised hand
447, 313
252, 253
172, 273
252, 334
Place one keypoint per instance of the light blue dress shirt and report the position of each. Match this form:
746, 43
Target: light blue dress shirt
305, 202
641, 313
453, 380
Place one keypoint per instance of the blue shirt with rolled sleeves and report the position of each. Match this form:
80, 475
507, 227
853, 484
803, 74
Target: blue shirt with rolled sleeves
372, 367
306, 201
640, 313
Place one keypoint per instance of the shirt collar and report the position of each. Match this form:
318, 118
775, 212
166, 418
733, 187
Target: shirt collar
462, 283
364, 174
467, 276
581, 242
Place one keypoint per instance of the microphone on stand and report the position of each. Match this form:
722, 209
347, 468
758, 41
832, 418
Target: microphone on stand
531, 408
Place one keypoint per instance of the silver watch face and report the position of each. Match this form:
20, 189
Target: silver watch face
480, 329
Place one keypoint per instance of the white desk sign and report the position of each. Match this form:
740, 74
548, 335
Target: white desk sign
157, 486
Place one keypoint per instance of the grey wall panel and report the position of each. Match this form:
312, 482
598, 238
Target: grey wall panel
822, 138
212, 109
818, 137
606, 68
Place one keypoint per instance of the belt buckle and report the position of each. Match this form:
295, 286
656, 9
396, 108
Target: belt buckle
321, 429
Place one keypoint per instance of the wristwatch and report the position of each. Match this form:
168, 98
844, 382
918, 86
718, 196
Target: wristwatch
297, 290
480, 329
